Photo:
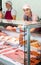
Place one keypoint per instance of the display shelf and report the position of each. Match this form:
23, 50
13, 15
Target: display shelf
35, 25
28, 36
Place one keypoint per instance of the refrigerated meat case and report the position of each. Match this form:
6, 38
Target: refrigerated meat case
27, 48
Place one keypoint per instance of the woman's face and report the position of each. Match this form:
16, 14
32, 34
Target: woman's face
27, 12
8, 6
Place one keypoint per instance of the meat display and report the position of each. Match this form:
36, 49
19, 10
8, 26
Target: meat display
16, 56
34, 53
35, 49
35, 44
5, 48
11, 39
8, 47
1, 33
13, 28
34, 61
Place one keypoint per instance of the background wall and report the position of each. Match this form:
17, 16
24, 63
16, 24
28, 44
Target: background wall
17, 4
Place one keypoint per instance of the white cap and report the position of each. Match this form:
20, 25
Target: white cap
26, 7
9, 2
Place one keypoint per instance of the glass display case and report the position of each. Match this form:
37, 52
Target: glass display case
18, 45
33, 46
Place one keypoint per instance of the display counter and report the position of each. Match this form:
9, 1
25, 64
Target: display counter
17, 44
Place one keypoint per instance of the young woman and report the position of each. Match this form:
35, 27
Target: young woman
28, 15
10, 12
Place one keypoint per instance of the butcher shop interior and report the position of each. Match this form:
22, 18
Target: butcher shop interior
20, 32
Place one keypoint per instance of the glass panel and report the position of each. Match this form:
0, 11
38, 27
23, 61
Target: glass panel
35, 46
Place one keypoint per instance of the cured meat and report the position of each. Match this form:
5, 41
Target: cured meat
1, 33
16, 56
21, 53
31, 41
13, 41
20, 39
14, 29
35, 44
34, 61
4, 51
9, 28
34, 53
7, 49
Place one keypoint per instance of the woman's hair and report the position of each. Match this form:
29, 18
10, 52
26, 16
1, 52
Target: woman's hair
0, 9
31, 12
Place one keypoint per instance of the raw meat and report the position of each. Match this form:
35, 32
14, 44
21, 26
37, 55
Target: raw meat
34, 53
34, 61
9, 28
1, 33
16, 56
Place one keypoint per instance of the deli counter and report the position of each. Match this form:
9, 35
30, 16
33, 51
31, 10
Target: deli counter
19, 46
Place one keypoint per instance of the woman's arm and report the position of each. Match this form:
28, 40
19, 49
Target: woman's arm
13, 13
0, 14
14, 17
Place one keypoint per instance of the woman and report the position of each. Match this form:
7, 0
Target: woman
29, 16
10, 12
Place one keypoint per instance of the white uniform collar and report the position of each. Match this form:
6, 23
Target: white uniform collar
9, 9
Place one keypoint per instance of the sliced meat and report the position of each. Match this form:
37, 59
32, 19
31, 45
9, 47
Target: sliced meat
2, 34
34, 61
16, 56
9, 28
34, 53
